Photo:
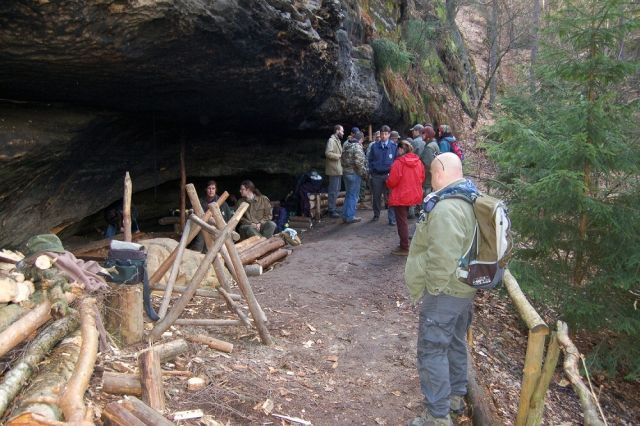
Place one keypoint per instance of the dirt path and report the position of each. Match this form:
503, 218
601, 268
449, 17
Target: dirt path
345, 336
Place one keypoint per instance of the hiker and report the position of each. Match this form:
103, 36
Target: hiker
405, 182
445, 137
114, 216
333, 168
376, 138
441, 238
431, 149
257, 219
211, 196
352, 135
417, 142
394, 137
380, 158
354, 170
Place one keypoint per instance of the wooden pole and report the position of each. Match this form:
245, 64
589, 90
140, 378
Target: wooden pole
126, 207
183, 183
208, 322
179, 306
243, 282
202, 292
164, 306
537, 399
531, 373
234, 306
151, 380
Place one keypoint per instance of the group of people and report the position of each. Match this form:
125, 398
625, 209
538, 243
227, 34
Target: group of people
395, 169
418, 171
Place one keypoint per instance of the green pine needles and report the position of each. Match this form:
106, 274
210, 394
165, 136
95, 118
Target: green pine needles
390, 55
569, 154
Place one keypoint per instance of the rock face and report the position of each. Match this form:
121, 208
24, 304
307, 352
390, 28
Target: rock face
89, 90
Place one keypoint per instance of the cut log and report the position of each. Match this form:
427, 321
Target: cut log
121, 383
148, 415
27, 324
124, 313
302, 219
253, 270
169, 350
115, 414
273, 243
196, 384
18, 376
273, 257
219, 345
151, 380
571, 359
249, 242
72, 399
41, 397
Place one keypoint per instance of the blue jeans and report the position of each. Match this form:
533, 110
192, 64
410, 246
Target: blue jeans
352, 186
334, 188
442, 349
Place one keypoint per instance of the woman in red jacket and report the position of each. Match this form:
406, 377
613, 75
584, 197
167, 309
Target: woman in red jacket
405, 182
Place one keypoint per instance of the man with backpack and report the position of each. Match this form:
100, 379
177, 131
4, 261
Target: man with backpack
442, 236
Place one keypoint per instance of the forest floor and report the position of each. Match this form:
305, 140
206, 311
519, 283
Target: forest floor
345, 345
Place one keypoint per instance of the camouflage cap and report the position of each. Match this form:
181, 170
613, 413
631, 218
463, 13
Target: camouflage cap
44, 242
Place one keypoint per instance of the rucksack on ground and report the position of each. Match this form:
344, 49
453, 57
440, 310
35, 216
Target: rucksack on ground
483, 264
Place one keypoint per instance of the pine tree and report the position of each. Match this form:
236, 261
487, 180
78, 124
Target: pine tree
570, 153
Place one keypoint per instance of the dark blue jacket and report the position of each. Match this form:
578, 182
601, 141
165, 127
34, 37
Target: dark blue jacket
380, 159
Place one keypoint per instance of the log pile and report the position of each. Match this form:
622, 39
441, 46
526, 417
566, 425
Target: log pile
262, 253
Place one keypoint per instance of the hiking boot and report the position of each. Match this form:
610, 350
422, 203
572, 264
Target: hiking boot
426, 419
400, 252
457, 404
354, 220
334, 215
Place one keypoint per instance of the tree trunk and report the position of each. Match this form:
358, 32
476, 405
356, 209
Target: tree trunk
10, 314
535, 40
169, 350
124, 313
273, 243
494, 38
42, 396
148, 415
72, 400
18, 376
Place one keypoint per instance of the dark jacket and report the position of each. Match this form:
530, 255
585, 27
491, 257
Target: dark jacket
380, 159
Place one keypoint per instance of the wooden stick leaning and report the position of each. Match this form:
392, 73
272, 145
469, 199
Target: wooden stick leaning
126, 207
258, 315
166, 264
166, 298
571, 358
234, 306
72, 399
179, 306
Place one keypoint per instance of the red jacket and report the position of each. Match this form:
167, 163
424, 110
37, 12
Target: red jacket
405, 181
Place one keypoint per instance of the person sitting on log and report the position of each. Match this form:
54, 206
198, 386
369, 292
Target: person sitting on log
257, 218
210, 197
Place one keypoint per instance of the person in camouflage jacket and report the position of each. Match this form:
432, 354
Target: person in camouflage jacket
354, 169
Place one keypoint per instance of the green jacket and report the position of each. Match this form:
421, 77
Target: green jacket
353, 159
259, 210
333, 152
439, 242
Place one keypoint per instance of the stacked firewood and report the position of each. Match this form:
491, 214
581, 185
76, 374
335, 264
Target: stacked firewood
258, 253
